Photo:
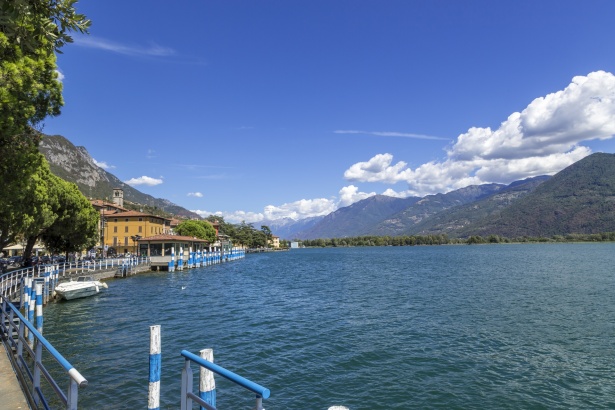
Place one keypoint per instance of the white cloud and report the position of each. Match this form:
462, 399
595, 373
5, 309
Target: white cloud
378, 169
542, 139
233, 217
301, 209
103, 164
196, 194
392, 134
108, 45
144, 180
350, 194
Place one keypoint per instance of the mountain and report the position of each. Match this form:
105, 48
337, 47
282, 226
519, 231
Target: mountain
357, 219
579, 199
404, 222
288, 228
74, 164
456, 220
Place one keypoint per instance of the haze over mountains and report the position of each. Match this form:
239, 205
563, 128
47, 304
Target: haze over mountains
579, 199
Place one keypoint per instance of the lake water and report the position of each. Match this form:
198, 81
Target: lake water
442, 327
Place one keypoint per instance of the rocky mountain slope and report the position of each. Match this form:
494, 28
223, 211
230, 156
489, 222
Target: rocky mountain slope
74, 164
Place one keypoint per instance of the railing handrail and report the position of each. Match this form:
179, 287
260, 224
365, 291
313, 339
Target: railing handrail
235, 378
72, 372
40, 268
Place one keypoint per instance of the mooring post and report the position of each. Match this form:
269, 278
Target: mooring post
31, 310
155, 364
39, 307
338, 408
207, 383
46, 288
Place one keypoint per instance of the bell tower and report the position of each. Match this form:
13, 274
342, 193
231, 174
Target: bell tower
118, 197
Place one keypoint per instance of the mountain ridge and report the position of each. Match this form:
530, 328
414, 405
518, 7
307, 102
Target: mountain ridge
74, 164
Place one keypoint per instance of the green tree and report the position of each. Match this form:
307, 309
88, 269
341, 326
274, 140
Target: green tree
31, 31
76, 227
268, 235
199, 229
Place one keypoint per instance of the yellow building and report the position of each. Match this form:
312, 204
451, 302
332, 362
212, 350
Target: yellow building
122, 230
275, 241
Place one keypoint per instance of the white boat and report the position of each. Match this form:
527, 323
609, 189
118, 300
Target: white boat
84, 286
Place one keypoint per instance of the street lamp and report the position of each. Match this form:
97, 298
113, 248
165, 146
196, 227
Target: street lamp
135, 239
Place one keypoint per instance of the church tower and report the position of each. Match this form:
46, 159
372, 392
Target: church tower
118, 197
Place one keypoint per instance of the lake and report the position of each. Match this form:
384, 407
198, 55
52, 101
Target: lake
445, 327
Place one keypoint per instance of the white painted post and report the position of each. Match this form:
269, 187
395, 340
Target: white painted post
39, 307
155, 364
207, 383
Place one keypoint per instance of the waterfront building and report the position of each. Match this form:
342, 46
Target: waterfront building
122, 230
274, 241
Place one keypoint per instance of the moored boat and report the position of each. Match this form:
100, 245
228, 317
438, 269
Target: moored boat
83, 287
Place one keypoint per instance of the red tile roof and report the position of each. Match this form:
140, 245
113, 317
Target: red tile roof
174, 238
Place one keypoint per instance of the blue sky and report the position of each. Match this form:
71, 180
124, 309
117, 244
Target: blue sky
269, 109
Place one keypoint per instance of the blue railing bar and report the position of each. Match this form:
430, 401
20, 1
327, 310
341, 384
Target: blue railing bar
200, 401
42, 398
242, 381
53, 383
25, 365
72, 372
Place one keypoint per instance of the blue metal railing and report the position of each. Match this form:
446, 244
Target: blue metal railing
187, 396
26, 344
28, 360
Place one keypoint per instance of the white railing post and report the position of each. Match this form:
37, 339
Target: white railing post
207, 383
155, 364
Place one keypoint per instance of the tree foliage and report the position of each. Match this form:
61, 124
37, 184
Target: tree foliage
198, 229
76, 225
31, 32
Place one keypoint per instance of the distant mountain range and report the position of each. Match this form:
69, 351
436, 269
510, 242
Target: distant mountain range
74, 164
579, 199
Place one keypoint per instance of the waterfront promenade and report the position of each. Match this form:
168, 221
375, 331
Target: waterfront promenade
10, 391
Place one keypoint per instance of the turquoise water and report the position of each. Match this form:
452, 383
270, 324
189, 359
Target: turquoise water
445, 327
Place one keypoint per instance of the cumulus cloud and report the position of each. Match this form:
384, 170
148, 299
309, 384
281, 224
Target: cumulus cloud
301, 209
540, 140
232, 217
103, 164
144, 180
350, 194
195, 194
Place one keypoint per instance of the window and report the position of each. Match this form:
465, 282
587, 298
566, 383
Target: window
114, 219
115, 229
140, 219
126, 229
125, 241
140, 229
115, 241
126, 220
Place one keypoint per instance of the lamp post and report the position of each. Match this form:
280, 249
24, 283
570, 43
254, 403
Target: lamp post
135, 239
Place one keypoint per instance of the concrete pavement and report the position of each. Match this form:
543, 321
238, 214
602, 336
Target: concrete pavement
11, 395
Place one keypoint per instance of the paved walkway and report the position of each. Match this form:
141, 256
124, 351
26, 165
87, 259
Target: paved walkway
11, 395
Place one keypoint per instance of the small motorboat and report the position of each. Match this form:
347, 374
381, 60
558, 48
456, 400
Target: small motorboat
83, 287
